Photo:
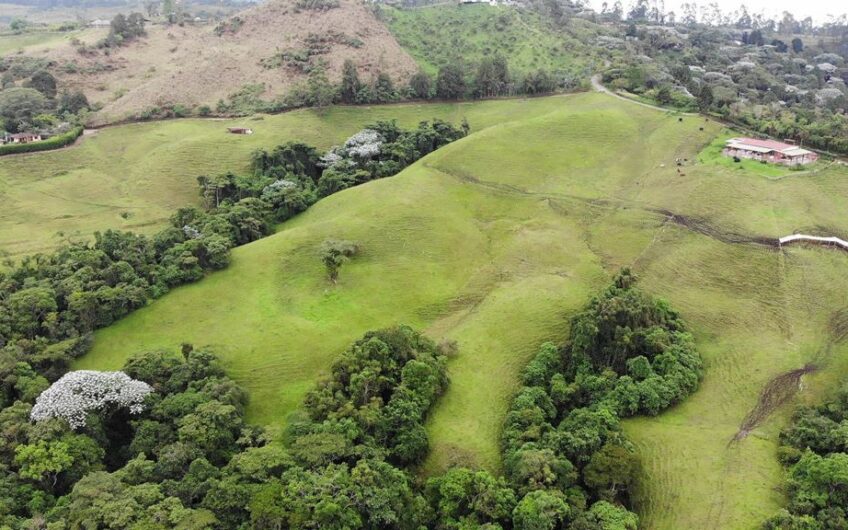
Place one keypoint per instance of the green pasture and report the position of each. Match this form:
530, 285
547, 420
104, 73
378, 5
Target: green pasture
12, 43
134, 176
494, 242
467, 33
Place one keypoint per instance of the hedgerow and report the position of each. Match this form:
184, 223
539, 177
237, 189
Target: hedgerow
54, 142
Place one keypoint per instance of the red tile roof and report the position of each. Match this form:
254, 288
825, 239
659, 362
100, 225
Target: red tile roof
767, 144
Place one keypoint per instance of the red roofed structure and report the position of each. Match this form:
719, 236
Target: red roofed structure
769, 151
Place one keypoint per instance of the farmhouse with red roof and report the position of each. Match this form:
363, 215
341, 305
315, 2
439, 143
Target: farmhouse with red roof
769, 151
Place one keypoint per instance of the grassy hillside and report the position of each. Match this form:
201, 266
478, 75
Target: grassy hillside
496, 240
37, 41
438, 35
135, 176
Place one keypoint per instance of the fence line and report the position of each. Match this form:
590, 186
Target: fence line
814, 239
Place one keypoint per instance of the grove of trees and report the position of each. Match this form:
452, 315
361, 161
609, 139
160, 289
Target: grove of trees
815, 454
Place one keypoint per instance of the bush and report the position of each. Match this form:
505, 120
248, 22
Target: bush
46, 145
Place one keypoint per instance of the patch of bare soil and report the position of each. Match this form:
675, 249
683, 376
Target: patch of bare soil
193, 65
702, 226
776, 392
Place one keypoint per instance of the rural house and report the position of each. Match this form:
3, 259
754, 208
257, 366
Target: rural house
22, 138
239, 130
769, 151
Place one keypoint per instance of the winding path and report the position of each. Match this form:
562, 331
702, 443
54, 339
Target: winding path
598, 86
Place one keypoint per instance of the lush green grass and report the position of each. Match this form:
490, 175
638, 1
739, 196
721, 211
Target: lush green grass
438, 35
14, 42
496, 240
134, 176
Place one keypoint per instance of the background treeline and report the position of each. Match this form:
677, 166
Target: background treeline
490, 77
815, 453
188, 460
783, 78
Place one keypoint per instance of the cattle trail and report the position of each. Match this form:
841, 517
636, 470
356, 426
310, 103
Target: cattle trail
776, 392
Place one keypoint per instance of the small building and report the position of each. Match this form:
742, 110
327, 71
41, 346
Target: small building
239, 130
22, 138
769, 151
99, 23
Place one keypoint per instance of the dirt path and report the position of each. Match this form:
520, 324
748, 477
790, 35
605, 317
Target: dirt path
776, 392
599, 87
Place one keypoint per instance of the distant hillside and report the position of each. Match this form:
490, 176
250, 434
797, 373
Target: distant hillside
444, 34
263, 47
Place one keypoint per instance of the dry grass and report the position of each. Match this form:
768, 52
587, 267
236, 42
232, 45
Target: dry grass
191, 65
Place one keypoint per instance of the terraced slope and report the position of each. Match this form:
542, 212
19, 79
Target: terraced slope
495, 241
135, 176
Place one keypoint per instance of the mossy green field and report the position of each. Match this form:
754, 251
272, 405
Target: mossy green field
496, 240
134, 176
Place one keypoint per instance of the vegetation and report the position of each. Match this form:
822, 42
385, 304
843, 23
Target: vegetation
702, 237
334, 254
534, 228
468, 35
123, 29
785, 78
814, 452
59, 298
30, 102
51, 303
74, 193
55, 142
480, 51
627, 355
168, 435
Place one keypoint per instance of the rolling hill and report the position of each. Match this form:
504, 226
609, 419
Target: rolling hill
134, 176
494, 241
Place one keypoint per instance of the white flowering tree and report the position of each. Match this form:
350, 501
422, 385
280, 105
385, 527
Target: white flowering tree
77, 393
364, 144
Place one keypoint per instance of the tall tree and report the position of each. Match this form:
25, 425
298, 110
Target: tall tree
44, 82
350, 82
451, 82
420, 85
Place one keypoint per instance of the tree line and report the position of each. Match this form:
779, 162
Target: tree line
815, 455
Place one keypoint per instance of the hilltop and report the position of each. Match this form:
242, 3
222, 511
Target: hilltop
193, 65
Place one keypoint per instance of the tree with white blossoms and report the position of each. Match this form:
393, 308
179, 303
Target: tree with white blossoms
364, 144
77, 393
